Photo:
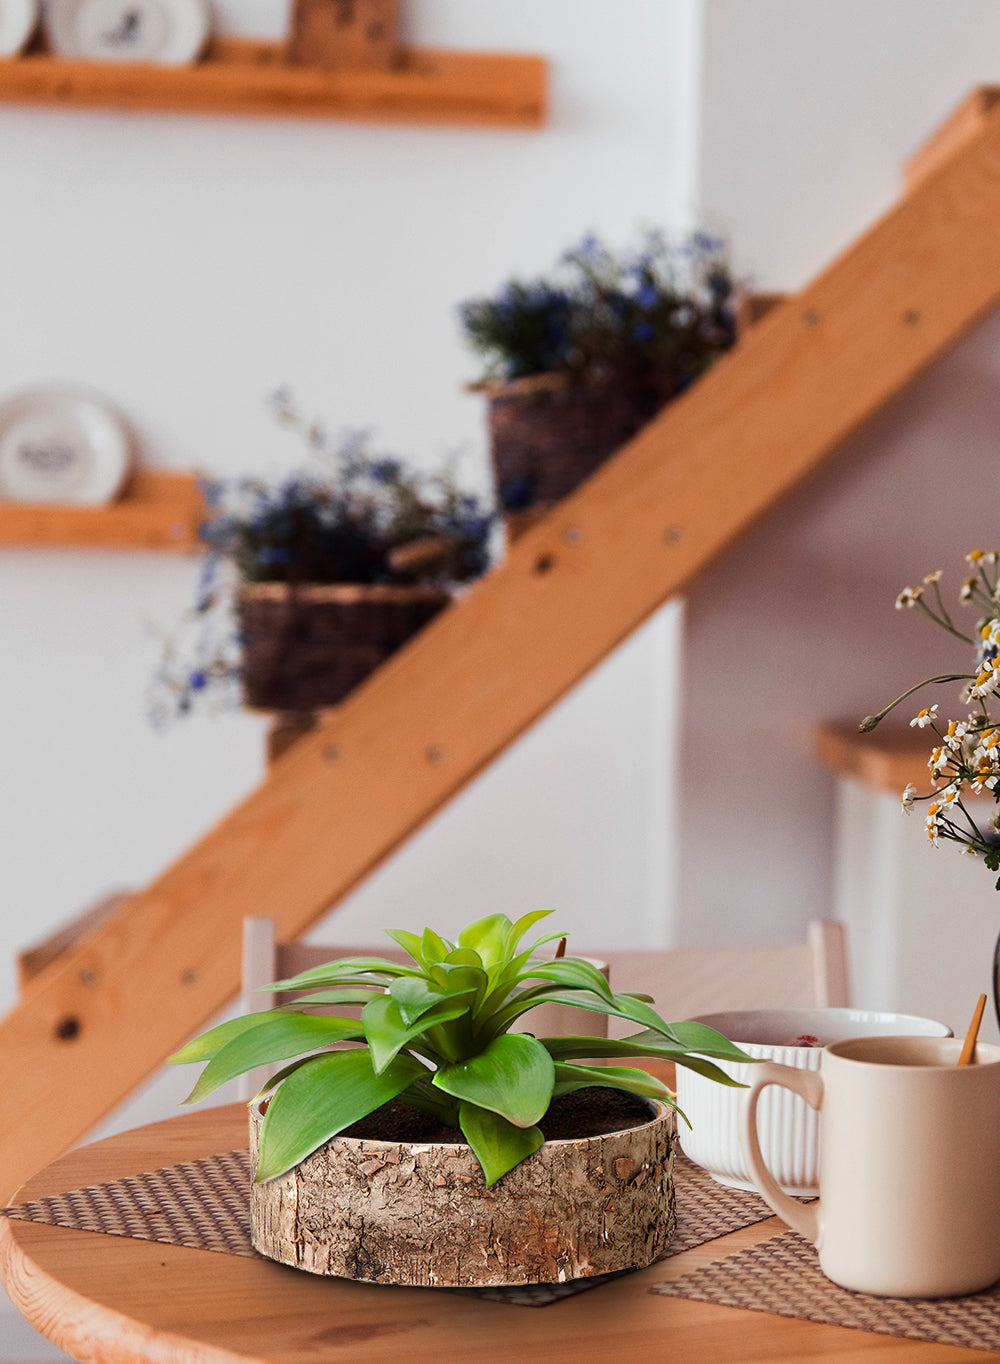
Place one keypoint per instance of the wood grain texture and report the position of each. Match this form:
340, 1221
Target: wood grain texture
111, 1300
571, 589
158, 510
964, 123
251, 77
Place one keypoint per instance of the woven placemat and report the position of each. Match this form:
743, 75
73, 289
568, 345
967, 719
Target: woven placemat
782, 1276
205, 1205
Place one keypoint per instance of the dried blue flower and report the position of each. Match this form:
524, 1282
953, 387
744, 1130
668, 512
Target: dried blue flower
595, 315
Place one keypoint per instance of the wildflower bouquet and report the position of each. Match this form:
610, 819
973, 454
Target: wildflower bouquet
965, 755
351, 516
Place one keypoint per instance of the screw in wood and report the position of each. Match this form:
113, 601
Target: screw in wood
68, 1028
435, 754
189, 976
573, 535
545, 563
911, 317
331, 753
811, 317
672, 535
88, 976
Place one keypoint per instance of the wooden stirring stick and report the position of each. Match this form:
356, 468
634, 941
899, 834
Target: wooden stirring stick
970, 1037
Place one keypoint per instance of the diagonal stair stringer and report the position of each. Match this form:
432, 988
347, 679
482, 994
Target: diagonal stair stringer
92, 1025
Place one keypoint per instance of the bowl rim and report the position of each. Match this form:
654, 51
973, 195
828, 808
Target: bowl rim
749, 1027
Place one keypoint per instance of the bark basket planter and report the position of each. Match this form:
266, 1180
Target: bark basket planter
305, 647
420, 1213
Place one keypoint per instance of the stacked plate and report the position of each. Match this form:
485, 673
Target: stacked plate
166, 32
62, 444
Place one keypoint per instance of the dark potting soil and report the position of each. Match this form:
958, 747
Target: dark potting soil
588, 1112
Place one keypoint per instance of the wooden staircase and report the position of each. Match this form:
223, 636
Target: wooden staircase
94, 1022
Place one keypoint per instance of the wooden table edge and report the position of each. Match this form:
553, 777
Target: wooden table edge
121, 1339
45, 1303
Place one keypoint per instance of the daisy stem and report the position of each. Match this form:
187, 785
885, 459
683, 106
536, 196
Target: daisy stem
870, 721
944, 620
976, 831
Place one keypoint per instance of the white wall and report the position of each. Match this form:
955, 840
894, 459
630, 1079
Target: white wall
810, 110
186, 266
811, 107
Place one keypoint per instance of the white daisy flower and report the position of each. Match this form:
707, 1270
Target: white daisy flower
906, 799
932, 822
909, 597
988, 680
924, 717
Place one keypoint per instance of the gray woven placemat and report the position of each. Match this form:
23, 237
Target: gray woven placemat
782, 1276
205, 1205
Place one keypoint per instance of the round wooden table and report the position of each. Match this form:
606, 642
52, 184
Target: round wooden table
115, 1300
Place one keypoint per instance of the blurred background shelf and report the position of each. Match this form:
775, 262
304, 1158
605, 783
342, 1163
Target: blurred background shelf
158, 510
886, 759
247, 76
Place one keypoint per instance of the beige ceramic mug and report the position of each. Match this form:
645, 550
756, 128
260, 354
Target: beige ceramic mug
909, 1166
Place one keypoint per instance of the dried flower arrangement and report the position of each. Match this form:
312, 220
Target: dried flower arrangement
352, 516
656, 316
576, 363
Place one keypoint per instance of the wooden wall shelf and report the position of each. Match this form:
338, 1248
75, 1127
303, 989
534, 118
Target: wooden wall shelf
157, 511
886, 759
245, 76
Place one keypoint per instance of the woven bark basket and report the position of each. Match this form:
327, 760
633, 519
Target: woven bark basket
548, 434
421, 1214
306, 647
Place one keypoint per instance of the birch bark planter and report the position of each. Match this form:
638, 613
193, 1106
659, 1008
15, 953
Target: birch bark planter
420, 1213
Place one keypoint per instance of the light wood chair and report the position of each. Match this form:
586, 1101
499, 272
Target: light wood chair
683, 981
686, 982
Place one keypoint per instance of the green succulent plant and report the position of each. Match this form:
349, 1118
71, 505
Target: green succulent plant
436, 1034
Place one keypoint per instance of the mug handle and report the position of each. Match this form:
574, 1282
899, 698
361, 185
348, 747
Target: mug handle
808, 1084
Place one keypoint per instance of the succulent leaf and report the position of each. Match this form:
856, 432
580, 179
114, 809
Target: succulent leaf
497, 1144
635, 1081
344, 970
513, 1076
210, 1043
320, 1099
276, 1039
387, 1032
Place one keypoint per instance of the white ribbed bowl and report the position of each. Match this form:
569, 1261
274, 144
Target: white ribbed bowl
787, 1127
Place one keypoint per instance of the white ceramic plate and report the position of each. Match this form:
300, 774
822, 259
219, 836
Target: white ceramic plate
17, 24
62, 445
166, 32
